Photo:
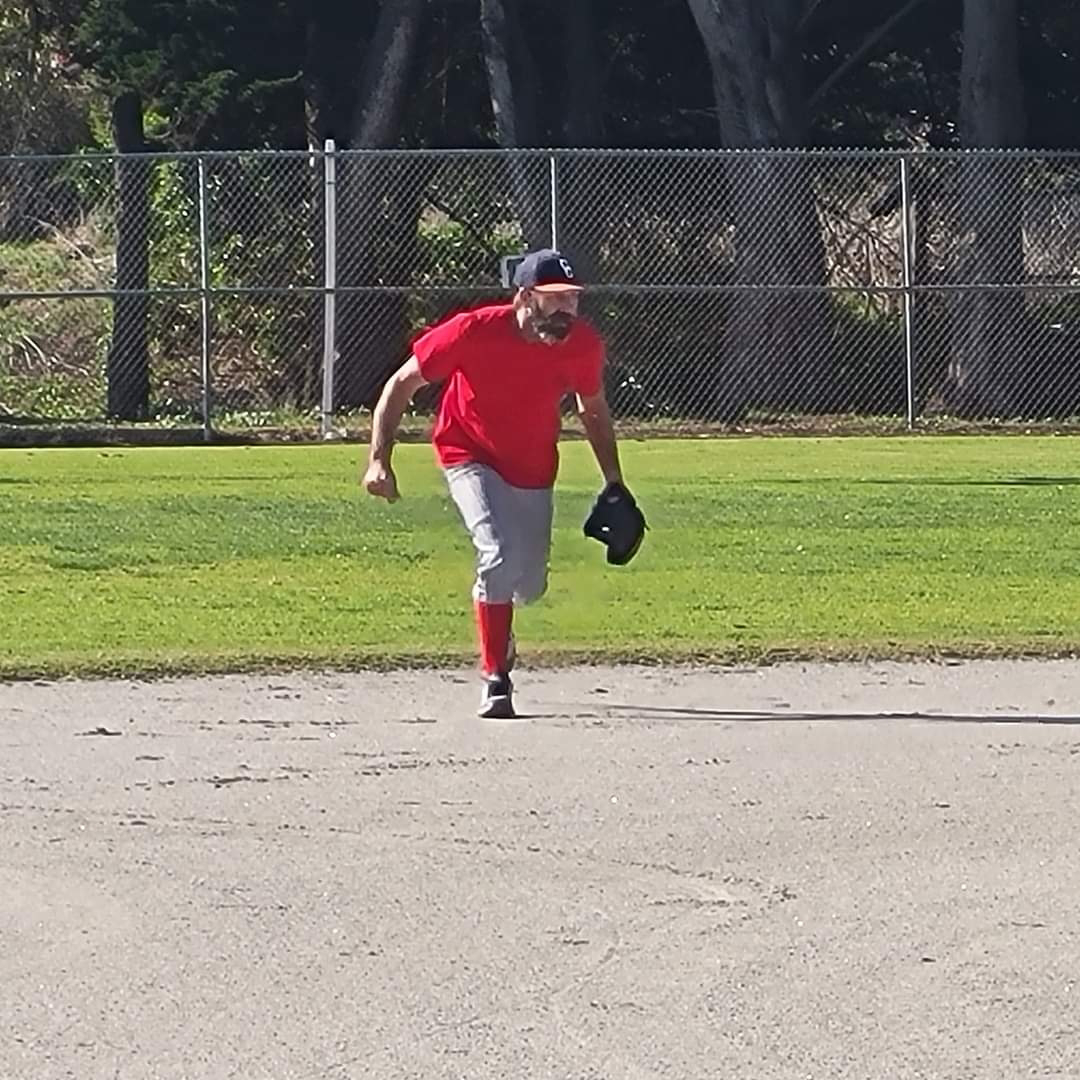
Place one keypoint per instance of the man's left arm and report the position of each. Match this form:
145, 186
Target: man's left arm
596, 419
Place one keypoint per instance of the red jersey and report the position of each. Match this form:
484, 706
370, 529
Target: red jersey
500, 406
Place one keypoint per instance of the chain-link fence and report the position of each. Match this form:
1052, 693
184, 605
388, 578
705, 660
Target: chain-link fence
793, 289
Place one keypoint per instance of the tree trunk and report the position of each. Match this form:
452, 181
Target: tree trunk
775, 343
583, 105
128, 363
584, 189
987, 372
378, 207
504, 59
513, 89
329, 67
321, 78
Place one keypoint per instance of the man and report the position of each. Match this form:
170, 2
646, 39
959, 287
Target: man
507, 368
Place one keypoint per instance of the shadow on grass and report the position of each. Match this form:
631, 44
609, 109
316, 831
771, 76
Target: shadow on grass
1001, 481
930, 481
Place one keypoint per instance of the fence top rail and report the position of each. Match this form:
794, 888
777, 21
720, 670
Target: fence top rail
477, 289
823, 153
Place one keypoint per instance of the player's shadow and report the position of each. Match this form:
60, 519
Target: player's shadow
658, 712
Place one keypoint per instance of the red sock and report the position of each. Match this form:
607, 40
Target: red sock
493, 626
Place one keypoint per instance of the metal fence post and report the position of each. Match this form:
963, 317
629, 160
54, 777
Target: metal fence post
204, 305
552, 166
329, 286
909, 300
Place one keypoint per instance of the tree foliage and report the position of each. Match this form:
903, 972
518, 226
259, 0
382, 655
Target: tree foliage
281, 73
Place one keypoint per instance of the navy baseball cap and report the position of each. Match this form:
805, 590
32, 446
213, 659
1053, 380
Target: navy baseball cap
546, 270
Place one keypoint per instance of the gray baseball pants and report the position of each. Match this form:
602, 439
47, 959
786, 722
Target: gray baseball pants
510, 529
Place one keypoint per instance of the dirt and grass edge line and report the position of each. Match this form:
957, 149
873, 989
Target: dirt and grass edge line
147, 668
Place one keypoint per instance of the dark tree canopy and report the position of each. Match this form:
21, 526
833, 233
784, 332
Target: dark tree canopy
253, 74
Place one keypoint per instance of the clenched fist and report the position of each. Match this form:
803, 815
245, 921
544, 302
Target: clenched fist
380, 481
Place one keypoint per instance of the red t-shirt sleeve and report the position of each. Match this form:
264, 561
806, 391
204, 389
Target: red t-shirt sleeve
588, 371
441, 350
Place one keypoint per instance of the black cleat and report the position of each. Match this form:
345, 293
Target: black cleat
496, 699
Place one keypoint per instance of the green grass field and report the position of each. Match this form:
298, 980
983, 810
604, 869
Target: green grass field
149, 560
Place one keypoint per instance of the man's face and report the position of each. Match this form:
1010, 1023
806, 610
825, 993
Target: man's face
550, 315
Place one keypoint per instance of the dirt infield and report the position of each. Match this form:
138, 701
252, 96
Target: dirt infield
803, 871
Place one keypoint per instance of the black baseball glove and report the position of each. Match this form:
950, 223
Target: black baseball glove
616, 520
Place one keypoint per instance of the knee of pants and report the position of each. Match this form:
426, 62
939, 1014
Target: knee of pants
495, 578
531, 586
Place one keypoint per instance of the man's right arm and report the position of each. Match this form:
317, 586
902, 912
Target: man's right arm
399, 390
394, 400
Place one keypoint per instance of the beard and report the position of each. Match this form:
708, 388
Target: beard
552, 328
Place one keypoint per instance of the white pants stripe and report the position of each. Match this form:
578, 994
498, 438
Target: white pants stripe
510, 529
